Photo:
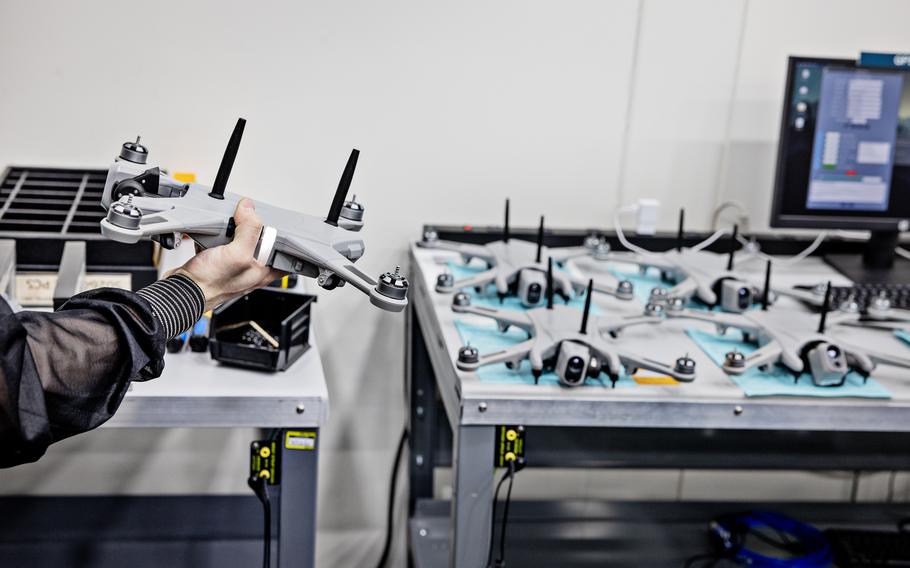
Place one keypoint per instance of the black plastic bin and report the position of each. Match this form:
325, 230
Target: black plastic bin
284, 315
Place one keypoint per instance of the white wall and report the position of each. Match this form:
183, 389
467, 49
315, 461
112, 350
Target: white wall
570, 108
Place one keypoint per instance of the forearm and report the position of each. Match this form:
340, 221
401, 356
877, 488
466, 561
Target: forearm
66, 372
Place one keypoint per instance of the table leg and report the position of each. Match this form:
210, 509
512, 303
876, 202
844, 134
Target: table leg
472, 499
422, 420
297, 499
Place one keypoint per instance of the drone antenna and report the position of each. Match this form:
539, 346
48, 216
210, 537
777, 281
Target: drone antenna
584, 315
540, 239
679, 230
767, 290
550, 283
227, 161
826, 305
343, 185
732, 247
505, 227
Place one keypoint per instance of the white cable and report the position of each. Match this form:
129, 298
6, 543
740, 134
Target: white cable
902, 252
710, 240
617, 226
793, 259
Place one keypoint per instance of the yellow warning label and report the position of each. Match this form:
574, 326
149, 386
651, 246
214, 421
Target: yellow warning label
300, 440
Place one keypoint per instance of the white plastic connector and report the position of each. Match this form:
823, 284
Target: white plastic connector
646, 212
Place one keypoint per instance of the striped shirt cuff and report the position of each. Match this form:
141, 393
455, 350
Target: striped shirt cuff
177, 302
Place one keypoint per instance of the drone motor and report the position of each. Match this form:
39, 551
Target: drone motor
393, 285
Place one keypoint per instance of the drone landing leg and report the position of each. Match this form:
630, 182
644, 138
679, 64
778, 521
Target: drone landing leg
536, 373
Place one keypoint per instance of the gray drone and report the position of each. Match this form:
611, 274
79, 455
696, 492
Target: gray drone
790, 340
515, 267
693, 275
557, 342
144, 202
877, 313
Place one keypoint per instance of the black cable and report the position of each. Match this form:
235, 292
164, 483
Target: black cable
267, 538
390, 512
501, 560
493, 520
260, 487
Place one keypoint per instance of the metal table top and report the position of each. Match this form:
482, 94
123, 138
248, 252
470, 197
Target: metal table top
711, 401
195, 391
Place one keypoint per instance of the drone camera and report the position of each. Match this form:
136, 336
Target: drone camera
573, 363
531, 287
828, 364
735, 296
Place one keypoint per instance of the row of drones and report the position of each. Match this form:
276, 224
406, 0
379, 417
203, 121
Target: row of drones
580, 346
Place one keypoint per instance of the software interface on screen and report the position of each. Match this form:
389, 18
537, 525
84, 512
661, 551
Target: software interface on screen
847, 141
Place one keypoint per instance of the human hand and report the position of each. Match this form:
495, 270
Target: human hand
230, 270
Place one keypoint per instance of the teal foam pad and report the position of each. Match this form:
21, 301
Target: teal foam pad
489, 299
488, 339
779, 381
902, 335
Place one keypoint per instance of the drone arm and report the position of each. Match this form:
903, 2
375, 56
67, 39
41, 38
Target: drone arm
877, 357
479, 279
607, 325
721, 320
689, 287
466, 250
633, 361
509, 354
766, 355
563, 254
502, 317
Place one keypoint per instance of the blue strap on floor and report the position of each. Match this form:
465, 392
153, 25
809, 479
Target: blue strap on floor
488, 339
779, 381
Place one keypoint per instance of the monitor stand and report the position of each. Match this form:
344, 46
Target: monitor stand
878, 263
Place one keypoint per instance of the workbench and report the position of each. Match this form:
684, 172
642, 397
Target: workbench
708, 423
190, 530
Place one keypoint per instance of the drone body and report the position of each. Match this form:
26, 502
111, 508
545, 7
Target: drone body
792, 340
557, 342
143, 202
693, 274
515, 267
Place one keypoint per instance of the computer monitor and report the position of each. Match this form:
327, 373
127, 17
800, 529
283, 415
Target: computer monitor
844, 159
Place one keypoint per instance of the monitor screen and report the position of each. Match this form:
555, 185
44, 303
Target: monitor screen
844, 154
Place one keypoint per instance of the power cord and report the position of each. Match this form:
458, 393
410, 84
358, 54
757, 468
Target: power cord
260, 487
500, 561
390, 511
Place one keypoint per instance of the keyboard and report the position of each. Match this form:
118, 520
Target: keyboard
862, 548
863, 294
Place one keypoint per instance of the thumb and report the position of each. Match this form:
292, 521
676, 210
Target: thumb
248, 227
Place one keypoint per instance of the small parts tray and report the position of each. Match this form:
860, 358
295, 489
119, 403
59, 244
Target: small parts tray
267, 329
